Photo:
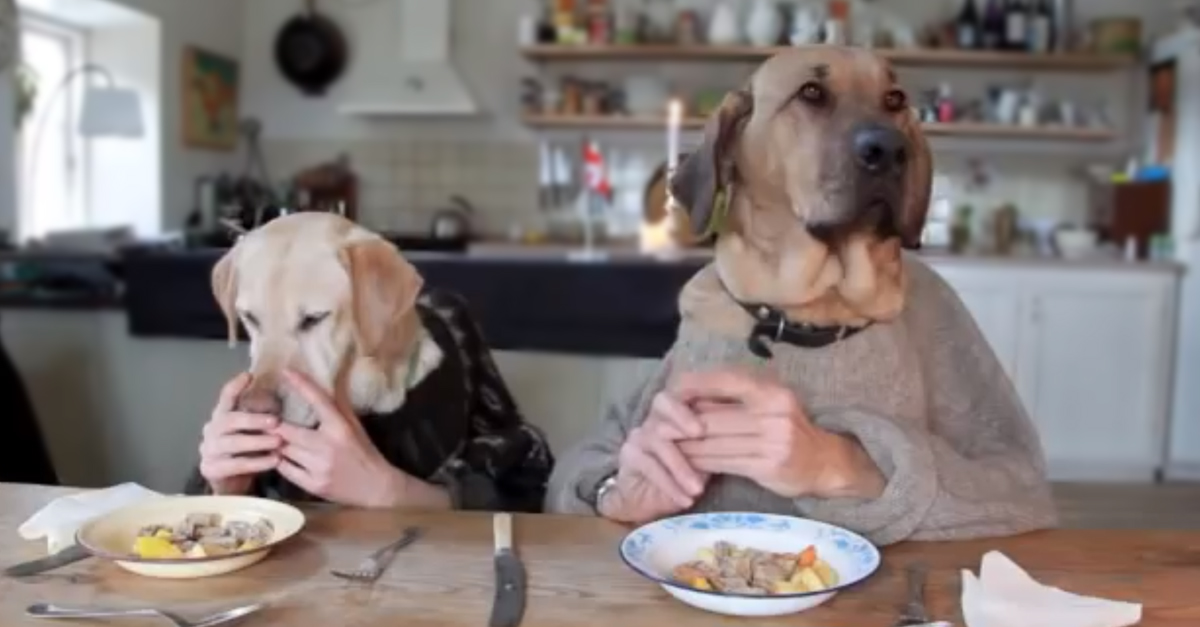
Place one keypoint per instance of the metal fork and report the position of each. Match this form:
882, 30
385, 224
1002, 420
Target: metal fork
49, 610
374, 564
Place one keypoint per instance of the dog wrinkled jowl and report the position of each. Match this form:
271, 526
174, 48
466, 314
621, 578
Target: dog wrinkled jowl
318, 294
815, 174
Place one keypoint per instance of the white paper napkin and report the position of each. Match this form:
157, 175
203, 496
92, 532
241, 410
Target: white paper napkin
61, 518
1004, 595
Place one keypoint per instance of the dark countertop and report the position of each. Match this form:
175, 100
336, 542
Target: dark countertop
625, 306
622, 306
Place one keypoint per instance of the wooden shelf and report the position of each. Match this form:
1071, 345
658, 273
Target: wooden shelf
903, 57
956, 129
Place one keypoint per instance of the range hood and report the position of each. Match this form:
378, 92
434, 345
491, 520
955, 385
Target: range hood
402, 64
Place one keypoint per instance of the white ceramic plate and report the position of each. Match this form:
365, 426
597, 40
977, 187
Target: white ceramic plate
111, 536
655, 549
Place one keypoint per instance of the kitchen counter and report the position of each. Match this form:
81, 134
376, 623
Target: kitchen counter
546, 297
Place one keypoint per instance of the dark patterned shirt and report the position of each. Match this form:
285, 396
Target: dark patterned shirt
459, 427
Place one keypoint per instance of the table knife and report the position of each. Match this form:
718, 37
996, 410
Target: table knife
509, 604
69, 555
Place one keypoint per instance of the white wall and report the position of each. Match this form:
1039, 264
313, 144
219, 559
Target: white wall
8, 196
125, 183
212, 24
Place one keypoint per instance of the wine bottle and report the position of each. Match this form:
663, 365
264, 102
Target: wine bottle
966, 25
1041, 28
994, 27
1017, 25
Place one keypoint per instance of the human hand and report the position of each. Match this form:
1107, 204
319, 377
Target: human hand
235, 445
653, 477
756, 428
337, 460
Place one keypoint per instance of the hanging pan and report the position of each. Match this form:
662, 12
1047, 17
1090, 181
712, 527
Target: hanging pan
311, 51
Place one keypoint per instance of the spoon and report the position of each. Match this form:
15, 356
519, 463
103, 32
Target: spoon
49, 610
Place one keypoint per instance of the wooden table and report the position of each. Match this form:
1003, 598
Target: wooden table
575, 575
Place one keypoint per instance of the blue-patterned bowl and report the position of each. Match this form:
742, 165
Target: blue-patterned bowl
655, 549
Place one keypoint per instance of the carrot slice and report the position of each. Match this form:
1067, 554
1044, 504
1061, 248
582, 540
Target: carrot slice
807, 558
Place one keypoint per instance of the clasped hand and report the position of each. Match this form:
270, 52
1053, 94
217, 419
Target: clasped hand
335, 461
721, 423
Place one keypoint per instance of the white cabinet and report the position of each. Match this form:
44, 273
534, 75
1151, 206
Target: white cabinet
1089, 349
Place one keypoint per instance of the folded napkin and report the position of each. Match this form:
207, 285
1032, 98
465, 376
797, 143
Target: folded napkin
61, 518
1004, 595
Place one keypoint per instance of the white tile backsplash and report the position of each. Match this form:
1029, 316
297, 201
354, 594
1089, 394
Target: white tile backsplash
402, 183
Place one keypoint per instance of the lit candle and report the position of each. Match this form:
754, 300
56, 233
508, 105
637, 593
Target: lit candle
674, 117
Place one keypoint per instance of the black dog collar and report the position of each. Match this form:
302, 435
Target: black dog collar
771, 325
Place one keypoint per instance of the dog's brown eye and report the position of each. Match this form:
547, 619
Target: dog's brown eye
895, 100
308, 321
812, 93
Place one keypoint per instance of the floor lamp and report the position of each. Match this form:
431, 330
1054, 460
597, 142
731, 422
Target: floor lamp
107, 111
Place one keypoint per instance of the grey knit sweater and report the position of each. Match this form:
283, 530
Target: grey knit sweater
923, 394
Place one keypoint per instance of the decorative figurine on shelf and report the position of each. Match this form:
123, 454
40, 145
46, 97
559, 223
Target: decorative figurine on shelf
723, 28
764, 25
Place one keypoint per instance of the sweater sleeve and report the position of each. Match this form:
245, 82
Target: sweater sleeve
581, 469
977, 470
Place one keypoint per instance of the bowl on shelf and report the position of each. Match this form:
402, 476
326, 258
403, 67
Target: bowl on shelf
1075, 243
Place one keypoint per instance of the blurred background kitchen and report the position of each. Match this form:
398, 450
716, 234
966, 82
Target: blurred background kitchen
516, 151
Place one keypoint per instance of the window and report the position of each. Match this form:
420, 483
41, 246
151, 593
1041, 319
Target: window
51, 155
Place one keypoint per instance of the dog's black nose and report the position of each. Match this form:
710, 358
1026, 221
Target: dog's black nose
880, 149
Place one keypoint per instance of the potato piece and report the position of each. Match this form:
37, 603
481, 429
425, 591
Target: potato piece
151, 547
828, 575
197, 551
249, 545
809, 579
700, 583
164, 533
807, 558
707, 556
788, 587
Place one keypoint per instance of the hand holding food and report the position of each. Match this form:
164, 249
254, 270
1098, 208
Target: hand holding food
236, 445
201, 535
337, 461
653, 477
728, 568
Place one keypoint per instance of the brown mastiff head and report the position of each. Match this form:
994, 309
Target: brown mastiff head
814, 175
321, 295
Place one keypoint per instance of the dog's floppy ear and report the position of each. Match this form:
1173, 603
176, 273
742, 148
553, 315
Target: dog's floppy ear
918, 188
699, 182
384, 287
224, 288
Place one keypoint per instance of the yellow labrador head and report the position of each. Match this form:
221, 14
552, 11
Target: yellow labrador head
318, 294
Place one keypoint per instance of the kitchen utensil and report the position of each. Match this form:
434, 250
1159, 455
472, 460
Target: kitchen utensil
509, 603
453, 222
49, 610
655, 549
69, 555
111, 536
914, 609
374, 564
311, 51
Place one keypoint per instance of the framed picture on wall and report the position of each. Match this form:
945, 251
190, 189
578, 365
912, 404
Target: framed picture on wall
210, 100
